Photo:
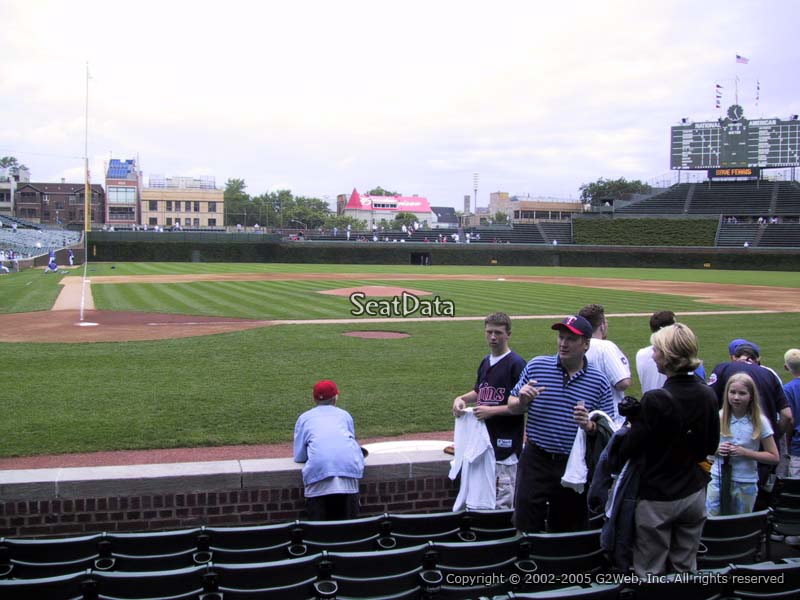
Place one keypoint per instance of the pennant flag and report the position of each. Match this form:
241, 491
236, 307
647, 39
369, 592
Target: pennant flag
719, 87
741, 59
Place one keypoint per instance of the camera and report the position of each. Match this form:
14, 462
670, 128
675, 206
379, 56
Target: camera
630, 407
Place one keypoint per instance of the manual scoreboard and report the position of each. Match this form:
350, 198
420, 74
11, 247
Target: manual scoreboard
735, 142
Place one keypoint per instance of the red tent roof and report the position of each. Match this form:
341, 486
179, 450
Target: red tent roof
415, 204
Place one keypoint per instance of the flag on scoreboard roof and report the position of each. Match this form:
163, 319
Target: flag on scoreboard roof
741, 59
758, 91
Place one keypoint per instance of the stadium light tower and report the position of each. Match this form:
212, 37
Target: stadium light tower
475, 188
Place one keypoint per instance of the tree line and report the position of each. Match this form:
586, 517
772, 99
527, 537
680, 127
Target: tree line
283, 210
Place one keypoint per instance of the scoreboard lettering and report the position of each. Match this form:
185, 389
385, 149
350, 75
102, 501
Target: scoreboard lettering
722, 173
736, 143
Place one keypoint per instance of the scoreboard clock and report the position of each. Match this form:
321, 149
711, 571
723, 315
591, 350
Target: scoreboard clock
736, 142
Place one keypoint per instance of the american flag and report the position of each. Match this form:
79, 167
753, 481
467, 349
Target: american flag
741, 59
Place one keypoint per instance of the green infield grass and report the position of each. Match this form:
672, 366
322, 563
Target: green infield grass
249, 387
301, 300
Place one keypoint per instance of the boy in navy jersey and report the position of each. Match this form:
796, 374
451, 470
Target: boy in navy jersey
497, 374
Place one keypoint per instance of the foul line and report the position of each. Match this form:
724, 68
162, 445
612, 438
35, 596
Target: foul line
481, 317
83, 284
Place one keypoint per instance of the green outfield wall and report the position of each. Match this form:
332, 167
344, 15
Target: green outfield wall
110, 247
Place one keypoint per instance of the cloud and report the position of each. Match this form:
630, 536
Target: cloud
414, 96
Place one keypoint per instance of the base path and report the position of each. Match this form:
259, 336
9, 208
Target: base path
63, 323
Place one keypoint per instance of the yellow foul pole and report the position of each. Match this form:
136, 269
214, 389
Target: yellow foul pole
87, 197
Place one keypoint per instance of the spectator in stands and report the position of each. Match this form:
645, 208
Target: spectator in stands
498, 372
649, 376
325, 440
791, 362
673, 433
745, 440
557, 392
773, 401
606, 356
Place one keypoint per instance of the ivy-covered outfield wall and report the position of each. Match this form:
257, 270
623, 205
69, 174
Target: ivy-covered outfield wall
645, 232
107, 247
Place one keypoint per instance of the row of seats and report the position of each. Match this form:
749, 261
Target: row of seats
438, 555
348, 576
440, 569
144, 551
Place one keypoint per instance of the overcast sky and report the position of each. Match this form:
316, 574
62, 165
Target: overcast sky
320, 97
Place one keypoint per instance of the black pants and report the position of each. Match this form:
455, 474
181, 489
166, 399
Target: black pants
332, 507
539, 489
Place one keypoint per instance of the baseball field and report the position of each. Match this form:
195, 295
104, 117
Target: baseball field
168, 355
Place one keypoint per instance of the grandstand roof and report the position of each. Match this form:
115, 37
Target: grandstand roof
415, 204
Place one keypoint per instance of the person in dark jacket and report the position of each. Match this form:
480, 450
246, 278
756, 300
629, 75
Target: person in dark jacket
674, 433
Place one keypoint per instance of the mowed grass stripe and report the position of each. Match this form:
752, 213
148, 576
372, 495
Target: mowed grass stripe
29, 290
300, 300
769, 278
249, 387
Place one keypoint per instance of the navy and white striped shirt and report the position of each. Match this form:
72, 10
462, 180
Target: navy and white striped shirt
550, 423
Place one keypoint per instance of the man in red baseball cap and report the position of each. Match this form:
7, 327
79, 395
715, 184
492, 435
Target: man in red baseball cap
325, 440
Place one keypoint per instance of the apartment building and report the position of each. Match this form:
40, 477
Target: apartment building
185, 202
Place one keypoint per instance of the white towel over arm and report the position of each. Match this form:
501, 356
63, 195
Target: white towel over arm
474, 457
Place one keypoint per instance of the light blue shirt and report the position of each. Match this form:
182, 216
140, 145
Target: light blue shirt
325, 439
743, 469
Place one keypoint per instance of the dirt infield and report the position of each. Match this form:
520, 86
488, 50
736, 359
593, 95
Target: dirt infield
382, 291
63, 323
180, 455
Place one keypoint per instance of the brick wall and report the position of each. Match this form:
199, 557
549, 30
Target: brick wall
66, 501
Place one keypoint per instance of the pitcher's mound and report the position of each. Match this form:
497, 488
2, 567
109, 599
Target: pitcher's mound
377, 335
375, 290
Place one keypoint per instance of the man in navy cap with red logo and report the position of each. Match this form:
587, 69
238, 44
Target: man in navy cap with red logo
558, 392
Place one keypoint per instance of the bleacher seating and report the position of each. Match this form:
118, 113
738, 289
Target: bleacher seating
788, 198
783, 235
34, 242
21, 223
554, 230
670, 201
732, 198
518, 234
736, 234
739, 198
